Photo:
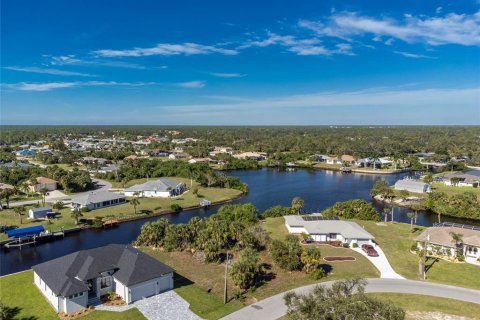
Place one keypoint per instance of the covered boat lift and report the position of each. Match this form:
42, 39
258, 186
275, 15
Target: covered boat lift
24, 236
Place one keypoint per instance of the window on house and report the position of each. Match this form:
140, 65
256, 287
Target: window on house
105, 282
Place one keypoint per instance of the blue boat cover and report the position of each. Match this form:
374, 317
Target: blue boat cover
30, 231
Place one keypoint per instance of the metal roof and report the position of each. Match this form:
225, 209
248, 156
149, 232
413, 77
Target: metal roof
29, 231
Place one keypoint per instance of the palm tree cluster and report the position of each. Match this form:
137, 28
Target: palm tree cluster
208, 238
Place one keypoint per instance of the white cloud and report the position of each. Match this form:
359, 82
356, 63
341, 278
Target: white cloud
460, 29
192, 84
383, 98
74, 60
227, 75
413, 55
302, 47
49, 71
26, 86
166, 49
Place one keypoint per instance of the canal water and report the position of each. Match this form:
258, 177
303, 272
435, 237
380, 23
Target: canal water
268, 187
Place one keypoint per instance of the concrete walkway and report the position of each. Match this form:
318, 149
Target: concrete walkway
381, 263
165, 306
274, 307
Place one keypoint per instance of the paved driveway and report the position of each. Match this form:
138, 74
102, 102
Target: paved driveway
274, 307
165, 306
381, 263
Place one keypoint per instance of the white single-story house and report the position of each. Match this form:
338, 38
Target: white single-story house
374, 163
440, 240
107, 169
42, 183
198, 160
162, 188
322, 229
251, 156
72, 282
39, 213
461, 180
96, 200
413, 186
178, 155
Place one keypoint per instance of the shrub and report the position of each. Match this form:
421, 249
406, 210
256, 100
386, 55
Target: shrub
176, 207
461, 258
352, 209
246, 271
84, 209
111, 295
287, 253
355, 245
276, 211
414, 247
318, 274
346, 245
98, 223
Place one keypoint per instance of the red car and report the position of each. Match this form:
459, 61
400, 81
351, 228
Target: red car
370, 250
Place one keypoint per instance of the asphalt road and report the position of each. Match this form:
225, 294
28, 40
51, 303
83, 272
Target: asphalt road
274, 307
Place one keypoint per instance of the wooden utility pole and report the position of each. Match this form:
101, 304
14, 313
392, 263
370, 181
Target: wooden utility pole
227, 262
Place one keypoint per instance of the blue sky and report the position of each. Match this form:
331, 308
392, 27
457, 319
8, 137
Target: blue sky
240, 62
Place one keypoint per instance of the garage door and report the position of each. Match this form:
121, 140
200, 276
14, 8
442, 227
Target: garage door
363, 241
143, 291
164, 283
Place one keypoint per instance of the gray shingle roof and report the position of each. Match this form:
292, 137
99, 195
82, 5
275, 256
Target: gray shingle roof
347, 229
67, 275
161, 185
96, 197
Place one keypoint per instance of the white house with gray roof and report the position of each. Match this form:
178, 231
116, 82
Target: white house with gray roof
325, 230
96, 200
72, 282
162, 188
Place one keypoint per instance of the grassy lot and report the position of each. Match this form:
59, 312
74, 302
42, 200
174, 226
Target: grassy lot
202, 284
451, 190
18, 291
396, 240
150, 205
412, 303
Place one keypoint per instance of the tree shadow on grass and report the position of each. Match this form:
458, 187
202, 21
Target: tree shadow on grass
9, 313
328, 268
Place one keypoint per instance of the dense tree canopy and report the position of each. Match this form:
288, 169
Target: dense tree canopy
352, 209
344, 300
360, 141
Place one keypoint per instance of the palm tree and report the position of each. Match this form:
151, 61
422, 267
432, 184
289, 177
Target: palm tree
44, 193
25, 188
457, 239
76, 214
386, 211
411, 215
297, 205
416, 208
135, 202
20, 212
6, 193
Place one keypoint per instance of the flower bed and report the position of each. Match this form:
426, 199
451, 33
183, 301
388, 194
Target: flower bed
338, 259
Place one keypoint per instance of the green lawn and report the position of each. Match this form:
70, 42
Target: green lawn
18, 291
396, 240
151, 205
412, 303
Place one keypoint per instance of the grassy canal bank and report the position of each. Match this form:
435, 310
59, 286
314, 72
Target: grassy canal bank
148, 207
